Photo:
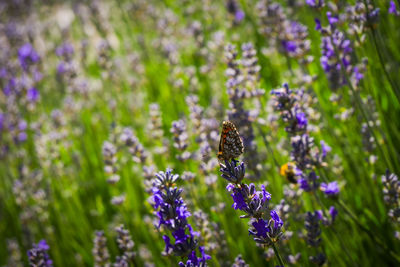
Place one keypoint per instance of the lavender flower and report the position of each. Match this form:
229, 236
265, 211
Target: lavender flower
172, 215
27, 56
239, 262
65, 51
336, 59
109, 155
330, 189
286, 102
135, 148
391, 194
304, 154
253, 203
179, 130
288, 36
234, 9
38, 256
125, 244
312, 226
233, 173
155, 123
14, 254
393, 9
241, 85
315, 3
100, 251
32, 94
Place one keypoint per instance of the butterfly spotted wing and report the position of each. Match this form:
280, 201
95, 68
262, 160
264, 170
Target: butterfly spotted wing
230, 143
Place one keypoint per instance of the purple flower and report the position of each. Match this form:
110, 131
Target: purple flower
312, 225
239, 15
231, 172
333, 212
318, 24
393, 9
172, 215
38, 255
27, 55
22, 137
325, 149
32, 94
330, 189
261, 228
290, 46
65, 50
314, 3
255, 206
278, 223
168, 246
332, 19
304, 184
61, 67
266, 195
10, 87
2, 118
357, 75
182, 212
301, 119
238, 199
22, 125
43, 245
3, 73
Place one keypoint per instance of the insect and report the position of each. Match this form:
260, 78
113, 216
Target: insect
230, 143
289, 171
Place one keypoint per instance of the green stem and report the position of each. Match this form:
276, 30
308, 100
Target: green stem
362, 227
381, 61
369, 233
278, 255
268, 147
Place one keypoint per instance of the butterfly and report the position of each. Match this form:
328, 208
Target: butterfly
230, 143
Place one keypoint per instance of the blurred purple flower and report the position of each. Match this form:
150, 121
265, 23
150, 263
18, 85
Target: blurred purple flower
333, 212
301, 119
61, 67
32, 94
239, 15
38, 256
65, 50
318, 24
332, 19
315, 3
393, 9
325, 148
22, 137
330, 189
10, 87
22, 125
1, 120
27, 55
290, 46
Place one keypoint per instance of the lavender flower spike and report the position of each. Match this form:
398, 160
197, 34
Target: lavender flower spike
172, 215
38, 256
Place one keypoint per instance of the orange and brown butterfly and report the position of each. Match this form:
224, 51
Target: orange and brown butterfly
230, 143
289, 171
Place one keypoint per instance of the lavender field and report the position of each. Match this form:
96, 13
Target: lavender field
199, 133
